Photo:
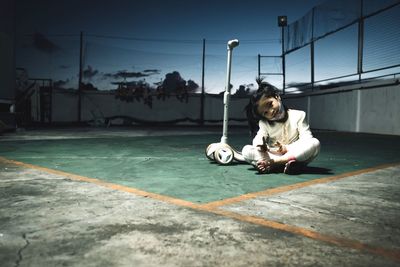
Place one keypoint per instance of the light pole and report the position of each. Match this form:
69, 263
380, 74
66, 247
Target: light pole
282, 23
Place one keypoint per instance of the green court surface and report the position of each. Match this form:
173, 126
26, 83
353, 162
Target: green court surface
176, 166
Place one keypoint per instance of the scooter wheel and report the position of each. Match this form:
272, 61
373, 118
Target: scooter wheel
210, 151
224, 155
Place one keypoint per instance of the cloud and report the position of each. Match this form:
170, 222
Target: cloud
192, 86
130, 83
173, 81
152, 71
131, 74
60, 83
89, 72
43, 44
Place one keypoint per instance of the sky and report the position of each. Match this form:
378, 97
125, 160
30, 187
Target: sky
146, 40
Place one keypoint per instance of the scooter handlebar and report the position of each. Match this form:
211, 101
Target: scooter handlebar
233, 43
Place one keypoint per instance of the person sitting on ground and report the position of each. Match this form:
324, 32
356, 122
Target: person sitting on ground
282, 140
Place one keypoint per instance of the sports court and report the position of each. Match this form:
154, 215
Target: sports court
150, 196
174, 165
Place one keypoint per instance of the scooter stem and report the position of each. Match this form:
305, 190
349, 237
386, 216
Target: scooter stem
231, 44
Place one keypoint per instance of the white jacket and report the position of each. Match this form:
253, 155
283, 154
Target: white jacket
294, 129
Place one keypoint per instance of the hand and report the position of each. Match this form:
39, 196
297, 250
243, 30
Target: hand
265, 165
264, 146
281, 149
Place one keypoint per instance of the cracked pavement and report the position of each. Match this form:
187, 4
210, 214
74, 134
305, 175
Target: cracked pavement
51, 220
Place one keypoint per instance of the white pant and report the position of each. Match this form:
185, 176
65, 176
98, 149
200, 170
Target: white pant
302, 151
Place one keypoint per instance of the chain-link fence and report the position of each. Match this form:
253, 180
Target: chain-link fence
340, 42
124, 63
109, 75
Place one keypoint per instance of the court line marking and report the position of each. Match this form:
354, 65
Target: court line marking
286, 188
176, 201
338, 241
334, 240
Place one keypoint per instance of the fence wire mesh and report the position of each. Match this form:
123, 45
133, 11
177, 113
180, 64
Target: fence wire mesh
340, 41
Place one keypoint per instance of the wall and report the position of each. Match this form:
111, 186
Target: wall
64, 106
100, 104
369, 108
105, 104
380, 110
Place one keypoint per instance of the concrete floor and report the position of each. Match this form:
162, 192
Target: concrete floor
50, 218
